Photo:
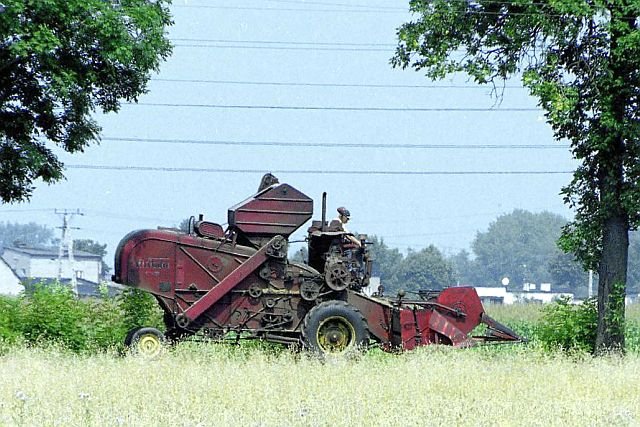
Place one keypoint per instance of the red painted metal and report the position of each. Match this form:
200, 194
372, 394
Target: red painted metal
276, 210
227, 284
242, 281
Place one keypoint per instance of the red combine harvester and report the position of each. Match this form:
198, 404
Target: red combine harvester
212, 282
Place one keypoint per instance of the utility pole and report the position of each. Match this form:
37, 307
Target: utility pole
67, 240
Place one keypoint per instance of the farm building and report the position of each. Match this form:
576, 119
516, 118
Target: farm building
42, 265
43, 262
9, 281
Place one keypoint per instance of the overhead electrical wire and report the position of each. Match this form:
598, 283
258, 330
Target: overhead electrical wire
399, 11
283, 9
319, 3
325, 108
311, 84
338, 49
307, 171
393, 146
277, 42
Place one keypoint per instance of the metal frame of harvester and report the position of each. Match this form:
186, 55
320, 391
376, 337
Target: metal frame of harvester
212, 282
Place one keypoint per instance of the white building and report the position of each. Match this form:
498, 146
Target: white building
500, 295
9, 282
44, 263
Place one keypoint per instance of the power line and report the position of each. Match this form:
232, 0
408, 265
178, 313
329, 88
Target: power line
338, 145
315, 108
318, 3
219, 46
276, 42
309, 171
377, 11
282, 9
366, 85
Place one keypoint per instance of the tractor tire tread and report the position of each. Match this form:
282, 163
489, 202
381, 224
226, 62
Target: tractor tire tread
311, 314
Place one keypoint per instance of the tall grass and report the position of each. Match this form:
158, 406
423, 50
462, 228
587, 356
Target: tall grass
213, 385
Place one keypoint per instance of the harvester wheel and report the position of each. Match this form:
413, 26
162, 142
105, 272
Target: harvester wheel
129, 337
334, 328
147, 342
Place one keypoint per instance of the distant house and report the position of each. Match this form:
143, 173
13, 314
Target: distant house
43, 262
41, 265
9, 281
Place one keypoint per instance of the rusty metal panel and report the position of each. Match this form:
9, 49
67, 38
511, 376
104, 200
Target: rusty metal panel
228, 283
279, 209
376, 313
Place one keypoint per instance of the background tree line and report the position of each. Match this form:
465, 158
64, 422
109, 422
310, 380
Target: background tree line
521, 246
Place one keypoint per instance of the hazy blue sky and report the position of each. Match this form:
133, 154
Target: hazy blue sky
233, 56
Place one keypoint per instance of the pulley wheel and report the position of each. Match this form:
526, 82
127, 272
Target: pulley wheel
309, 291
182, 320
337, 277
255, 291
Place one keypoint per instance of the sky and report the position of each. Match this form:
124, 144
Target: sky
305, 90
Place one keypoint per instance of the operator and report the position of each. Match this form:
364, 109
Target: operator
343, 217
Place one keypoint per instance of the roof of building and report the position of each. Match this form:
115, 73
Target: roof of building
52, 252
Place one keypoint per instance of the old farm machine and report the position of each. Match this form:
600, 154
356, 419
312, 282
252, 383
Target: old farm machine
217, 282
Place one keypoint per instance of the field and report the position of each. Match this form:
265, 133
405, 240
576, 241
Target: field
215, 385
205, 384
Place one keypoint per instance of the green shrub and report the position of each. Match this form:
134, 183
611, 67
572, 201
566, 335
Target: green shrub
52, 313
569, 326
9, 322
632, 336
105, 325
139, 308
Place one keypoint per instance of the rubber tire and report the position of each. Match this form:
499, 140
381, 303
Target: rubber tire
140, 333
129, 337
326, 310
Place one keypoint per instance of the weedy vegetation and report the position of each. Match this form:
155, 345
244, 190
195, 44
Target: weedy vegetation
61, 363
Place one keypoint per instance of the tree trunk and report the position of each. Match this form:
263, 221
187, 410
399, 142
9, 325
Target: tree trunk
615, 224
612, 283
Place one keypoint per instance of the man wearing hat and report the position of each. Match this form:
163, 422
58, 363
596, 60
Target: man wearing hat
343, 217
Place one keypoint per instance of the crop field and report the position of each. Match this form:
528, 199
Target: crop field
207, 384
198, 384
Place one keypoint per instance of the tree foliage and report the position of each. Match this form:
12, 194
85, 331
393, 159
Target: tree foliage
633, 275
386, 260
60, 60
580, 58
31, 234
520, 246
424, 269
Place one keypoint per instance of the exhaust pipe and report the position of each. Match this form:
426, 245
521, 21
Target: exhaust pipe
324, 211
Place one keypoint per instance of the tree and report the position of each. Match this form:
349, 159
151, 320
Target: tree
520, 246
300, 255
633, 279
60, 60
92, 247
425, 269
386, 261
580, 58
467, 270
30, 234
568, 275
